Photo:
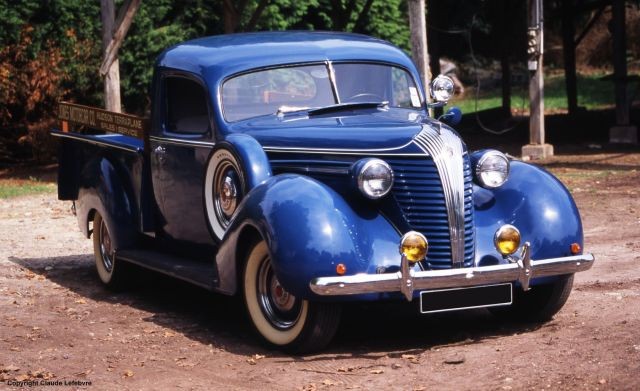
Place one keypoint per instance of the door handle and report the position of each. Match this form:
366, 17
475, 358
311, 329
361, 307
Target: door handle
160, 150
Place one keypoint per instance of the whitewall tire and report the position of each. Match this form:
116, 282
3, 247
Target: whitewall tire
279, 317
224, 187
111, 272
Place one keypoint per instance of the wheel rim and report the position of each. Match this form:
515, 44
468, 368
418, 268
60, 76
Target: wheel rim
106, 248
279, 307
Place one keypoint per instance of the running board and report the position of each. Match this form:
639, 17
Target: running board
202, 274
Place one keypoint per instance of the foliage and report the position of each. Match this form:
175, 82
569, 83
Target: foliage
51, 50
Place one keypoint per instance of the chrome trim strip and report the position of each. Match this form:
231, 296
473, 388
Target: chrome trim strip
310, 170
363, 152
337, 150
447, 151
93, 139
449, 278
177, 141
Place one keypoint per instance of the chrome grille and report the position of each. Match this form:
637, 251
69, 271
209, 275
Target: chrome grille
418, 190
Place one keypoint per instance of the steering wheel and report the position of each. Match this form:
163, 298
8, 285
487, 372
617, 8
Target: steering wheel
365, 97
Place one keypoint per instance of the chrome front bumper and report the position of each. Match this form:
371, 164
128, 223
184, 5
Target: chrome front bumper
520, 268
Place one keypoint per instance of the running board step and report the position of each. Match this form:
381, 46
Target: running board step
199, 273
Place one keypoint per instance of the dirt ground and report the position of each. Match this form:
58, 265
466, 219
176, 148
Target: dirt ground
59, 326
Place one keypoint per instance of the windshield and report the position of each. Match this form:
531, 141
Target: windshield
304, 87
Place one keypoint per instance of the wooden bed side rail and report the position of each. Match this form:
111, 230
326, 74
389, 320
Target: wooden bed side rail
108, 121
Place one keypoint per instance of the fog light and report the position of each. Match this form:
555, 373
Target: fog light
414, 246
507, 239
341, 269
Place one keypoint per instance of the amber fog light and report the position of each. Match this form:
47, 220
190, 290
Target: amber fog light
507, 239
414, 246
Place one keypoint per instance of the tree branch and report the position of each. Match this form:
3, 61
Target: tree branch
359, 26
256, 15
125, 17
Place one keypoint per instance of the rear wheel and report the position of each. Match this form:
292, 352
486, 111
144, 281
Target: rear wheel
279, 317
111, 272
538, 304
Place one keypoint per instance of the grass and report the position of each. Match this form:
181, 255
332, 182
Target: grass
10, 188
594, 92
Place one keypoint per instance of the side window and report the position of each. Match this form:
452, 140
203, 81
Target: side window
186, 106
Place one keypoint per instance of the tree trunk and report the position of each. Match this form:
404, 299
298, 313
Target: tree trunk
433, 44
505, 67
112, 77
620, 62
569, 54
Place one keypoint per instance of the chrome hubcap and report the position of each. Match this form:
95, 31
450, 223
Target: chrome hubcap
228, 194
225, 192
281, 308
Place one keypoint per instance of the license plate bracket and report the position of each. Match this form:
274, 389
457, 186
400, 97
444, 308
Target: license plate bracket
454, 299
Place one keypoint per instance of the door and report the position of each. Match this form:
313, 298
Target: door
180, 147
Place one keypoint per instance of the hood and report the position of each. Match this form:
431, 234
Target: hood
369, 129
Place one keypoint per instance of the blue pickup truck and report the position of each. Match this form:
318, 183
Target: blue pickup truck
302, 170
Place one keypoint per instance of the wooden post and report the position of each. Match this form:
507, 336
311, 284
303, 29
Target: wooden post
569, 54
623, 132
112, 75
418, 28
537, 148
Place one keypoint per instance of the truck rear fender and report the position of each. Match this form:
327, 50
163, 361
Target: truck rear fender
309, 230
102, 189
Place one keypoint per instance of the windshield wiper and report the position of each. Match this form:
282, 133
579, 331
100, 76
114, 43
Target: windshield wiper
347, 106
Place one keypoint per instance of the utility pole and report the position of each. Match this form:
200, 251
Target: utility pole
418, 28
537, 148
112, 77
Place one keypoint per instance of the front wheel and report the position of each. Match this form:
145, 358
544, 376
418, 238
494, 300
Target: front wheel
279, 317
540, 303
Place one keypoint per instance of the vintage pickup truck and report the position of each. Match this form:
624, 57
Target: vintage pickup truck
302, 170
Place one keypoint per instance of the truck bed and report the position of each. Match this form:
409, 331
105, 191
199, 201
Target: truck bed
82, 162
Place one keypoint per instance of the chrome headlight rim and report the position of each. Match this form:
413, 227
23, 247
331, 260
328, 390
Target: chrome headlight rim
437, 92
480, 169
362, 167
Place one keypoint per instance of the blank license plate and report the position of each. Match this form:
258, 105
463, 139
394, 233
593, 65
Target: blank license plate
465, 298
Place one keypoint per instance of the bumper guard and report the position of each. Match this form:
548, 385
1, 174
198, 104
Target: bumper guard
520, 268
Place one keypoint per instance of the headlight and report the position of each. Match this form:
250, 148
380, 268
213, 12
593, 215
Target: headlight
441, 88
507, 239
414, 246
492, 169
374, 177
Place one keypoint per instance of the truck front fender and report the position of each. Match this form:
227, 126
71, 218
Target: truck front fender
309, 230
536, 203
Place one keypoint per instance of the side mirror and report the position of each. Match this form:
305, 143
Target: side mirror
452, 117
